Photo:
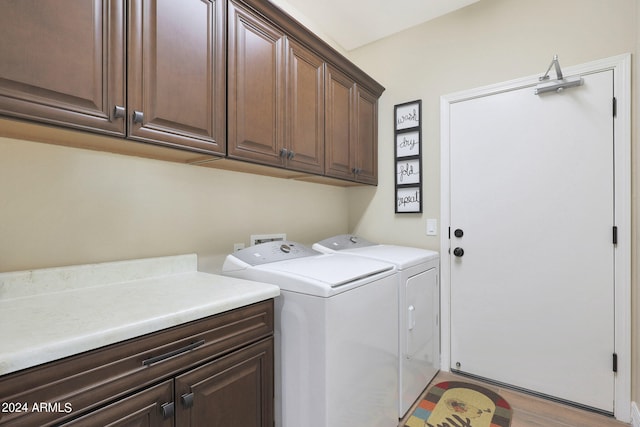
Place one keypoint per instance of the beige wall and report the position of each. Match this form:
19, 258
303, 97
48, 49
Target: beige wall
489, 42
62, 206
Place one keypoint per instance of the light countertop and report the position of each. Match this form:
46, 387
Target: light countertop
53, 313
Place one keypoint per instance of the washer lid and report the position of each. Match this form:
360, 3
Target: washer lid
294, 267
328, 270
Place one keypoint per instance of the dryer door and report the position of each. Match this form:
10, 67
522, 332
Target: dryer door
420, 337
421, 314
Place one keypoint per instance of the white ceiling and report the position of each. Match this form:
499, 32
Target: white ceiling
354, 23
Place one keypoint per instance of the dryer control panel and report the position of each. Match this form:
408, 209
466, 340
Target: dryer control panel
273, 252
345, 241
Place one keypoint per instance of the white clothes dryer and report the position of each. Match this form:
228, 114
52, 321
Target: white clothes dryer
336, 343
419, 309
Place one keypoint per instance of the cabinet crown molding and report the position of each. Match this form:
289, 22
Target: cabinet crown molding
296, 30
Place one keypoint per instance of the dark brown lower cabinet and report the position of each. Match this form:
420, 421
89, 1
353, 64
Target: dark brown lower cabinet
236, 390
213, 372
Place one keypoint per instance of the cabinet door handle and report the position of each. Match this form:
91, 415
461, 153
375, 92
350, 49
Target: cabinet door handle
283, 152
168, 410
291, 155
162, 357
187, 400
138, 116
119, 112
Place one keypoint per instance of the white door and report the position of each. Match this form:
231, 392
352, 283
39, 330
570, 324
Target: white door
532, 193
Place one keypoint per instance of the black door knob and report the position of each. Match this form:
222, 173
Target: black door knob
458, 252
458, 232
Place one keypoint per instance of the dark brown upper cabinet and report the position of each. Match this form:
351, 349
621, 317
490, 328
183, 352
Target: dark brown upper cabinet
275, 95
214, 77
70, 68
294, 102
63, 68
304, 137
340, 129
366, 147
256, 88
176, 73
351, 128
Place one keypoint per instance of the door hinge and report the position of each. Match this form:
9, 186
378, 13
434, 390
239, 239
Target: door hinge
615, 235
615, 107
615, 362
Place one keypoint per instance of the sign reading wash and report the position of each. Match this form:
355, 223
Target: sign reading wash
408, 115
408, 161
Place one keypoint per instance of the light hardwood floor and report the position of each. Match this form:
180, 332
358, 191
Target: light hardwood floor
531, 411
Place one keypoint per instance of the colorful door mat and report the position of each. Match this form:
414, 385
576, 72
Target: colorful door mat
460, 404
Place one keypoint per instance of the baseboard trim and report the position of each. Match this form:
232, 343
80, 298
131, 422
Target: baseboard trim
635, 415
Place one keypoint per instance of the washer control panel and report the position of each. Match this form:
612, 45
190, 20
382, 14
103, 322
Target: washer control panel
273, 252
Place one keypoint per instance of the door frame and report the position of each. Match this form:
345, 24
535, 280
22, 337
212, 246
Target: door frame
621, 65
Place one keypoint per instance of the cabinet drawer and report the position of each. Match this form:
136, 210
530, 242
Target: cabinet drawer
141, 409
94, 378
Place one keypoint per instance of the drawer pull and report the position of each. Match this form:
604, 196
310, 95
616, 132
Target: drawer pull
168, 409
118, 112
162, 357
187, 400
138, 116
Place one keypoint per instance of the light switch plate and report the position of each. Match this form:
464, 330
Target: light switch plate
432, 227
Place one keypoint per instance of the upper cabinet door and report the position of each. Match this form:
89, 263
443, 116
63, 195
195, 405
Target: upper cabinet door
256, 87
351, 129
62, 62
366, 151
340, 129
305, 109
176, 74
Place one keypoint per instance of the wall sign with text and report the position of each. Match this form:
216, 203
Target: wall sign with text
408, 156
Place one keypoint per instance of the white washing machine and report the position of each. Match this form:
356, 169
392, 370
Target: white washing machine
336, 343
419, 309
